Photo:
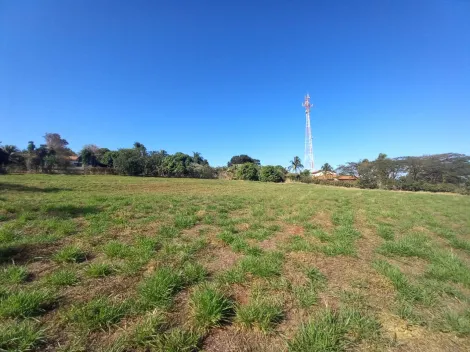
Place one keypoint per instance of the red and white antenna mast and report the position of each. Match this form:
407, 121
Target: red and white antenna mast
308, 157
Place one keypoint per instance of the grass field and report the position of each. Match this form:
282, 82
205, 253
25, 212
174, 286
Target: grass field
108, 263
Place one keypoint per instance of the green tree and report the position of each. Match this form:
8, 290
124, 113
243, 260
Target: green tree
326, 168
271, 174
242, 159
296, 165
248, 172
129, 162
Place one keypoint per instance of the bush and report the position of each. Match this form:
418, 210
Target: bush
271, 174
248, 172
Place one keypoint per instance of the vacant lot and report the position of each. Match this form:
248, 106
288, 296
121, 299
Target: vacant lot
105, 263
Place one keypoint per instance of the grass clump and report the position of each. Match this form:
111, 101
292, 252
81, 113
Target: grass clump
266, 265
96, 314
209, 307
183, 221
177, 340
193, 273
386, 232
99, 270
458, 322
410, 246
20, 336
147, 332
70, 254
117, 249
13, 274
63, 277
409, 292
159, 289
447, 266
260, 314
24, 303
342, 242
334, 331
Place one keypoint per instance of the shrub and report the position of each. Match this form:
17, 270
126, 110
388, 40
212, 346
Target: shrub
271, 174
248, 172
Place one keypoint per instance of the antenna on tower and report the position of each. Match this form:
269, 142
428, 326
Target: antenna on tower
308, 156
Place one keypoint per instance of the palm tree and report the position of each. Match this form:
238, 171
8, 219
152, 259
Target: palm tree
296, 164
326, 168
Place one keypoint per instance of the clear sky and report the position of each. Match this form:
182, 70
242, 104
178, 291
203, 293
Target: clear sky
228, 77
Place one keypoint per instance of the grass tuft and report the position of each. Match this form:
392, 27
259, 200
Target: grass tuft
13, 274
334, 331
447, 266
209, 307
409, 292
63, 277
266, 265
99, 270
22, 303
70, 254
416, 245
260, 314
96, 314
193, 273
159, 289
20, 336
117, 249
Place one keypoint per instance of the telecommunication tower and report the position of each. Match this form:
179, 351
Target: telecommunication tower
308, 157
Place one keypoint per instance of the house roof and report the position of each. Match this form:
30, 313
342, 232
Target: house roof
317, 172
72, 157
347, 177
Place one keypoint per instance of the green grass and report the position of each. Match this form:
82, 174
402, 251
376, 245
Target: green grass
117, 249
70, 254
25, 303
159, 289
334, 331
117, 263
260, 313
410, 246
410, 292
20, 336
266, 265
13, 274
209, 307
63, 277
99, 313
99, 270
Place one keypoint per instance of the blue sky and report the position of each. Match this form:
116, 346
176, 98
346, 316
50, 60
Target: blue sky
228, 77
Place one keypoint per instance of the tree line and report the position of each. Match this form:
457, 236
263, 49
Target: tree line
449, 172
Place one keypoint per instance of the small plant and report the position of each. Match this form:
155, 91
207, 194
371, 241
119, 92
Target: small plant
13, 274
98, 313
177, 339
267, 265
408, 291
385, 232
209, 307
306, 295
316, 277
168, 232
458, 322
410, 246
63, 277
333, 330
20, 336
159, 289
99, 270
260, 313
25, 303
183, 221
193, 273
117, 249
70, 254
149, 331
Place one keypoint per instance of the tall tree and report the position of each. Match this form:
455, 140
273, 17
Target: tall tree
326, 168
296, 164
